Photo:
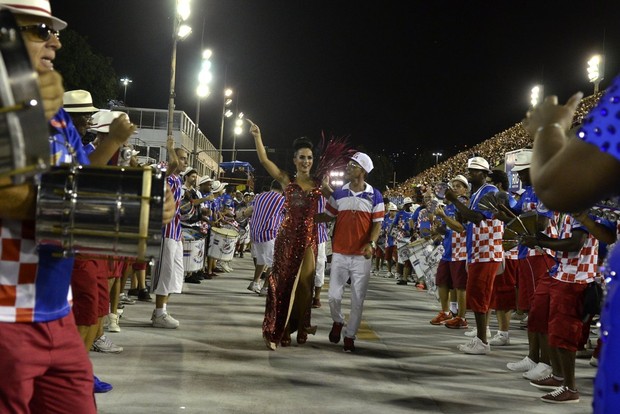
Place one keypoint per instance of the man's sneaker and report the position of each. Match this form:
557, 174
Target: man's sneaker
349, 344
112, 323
226, 267
524, 365
254, 287
103, 344
441, 318
164, 321
390, 275
474, 332
475, 347
316, 303
499, 340
561, 395
334, 334
132, 292
518, 316
456, 323
523, 321
594, 361
264, 290
550, 382
540, 371
144, 295
100, 386
374, 272
402, 282
126, 300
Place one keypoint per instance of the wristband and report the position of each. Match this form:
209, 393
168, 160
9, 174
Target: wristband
372, 244
554, 125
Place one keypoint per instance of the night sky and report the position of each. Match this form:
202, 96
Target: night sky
392, 75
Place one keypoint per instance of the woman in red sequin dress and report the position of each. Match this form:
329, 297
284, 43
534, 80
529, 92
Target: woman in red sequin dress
291, 280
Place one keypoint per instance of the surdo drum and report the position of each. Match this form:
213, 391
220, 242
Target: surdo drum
102, 211
222, 243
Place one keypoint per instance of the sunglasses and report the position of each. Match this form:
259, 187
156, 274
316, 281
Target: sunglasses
41, 31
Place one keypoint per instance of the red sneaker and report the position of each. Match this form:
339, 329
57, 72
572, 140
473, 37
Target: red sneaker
456, 323
441, 318
334, 334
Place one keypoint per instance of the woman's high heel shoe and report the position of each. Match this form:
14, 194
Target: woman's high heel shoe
285, 341
270, 345
302, 334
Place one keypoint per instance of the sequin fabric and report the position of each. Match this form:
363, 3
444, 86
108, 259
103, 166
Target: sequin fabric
602, 125
602, 128
296, 234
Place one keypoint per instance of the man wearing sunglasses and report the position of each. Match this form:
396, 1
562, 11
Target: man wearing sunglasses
49, 367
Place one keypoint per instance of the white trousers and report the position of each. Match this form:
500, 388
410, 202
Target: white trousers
169, 274
321, 258
357, 268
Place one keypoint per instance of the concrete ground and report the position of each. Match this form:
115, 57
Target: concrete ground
216, 361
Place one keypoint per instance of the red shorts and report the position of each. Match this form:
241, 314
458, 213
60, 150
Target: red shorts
116, 266
379, 253
531, 270
538, 316
452, 274
89, 284
40, 380
390, 253
480, 278
504, 296
131, 263
565, 319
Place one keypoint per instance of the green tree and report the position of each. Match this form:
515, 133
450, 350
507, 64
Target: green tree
82, 68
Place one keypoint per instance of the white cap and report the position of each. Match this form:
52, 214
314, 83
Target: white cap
461, 178
363, 160
39, 8
392, 207
103, 119
478, 163
188, 170
523, 160
407, 200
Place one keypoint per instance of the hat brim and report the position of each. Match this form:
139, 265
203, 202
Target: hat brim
520, 168
57, 24
81, 110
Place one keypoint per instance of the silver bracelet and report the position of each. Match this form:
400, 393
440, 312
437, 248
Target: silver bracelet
554, 125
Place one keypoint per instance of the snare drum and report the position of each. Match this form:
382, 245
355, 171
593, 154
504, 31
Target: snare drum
193, 250
222, 243
101, 211
418, 251
24, 145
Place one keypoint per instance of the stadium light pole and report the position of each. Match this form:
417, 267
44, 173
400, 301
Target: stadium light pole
125, 81
180, 32
202, 91
536, 95
596, 70
437, 155
237, 131
226, 113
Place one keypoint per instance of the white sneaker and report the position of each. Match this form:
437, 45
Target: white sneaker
103, 344
254, 287
524, 365
540, 371
164, 321
500, 340
264, 290
594, 361
518, 316
112, 323
226, 267
126, 300
474, 331
475, 347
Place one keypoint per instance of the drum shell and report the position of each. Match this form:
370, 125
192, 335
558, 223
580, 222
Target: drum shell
193, 251
101, 211
222, 243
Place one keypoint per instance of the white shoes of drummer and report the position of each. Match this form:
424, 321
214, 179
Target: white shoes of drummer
226, 267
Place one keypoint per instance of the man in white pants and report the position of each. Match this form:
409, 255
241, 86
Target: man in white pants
358, 209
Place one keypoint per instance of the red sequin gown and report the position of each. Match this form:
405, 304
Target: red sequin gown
296, 234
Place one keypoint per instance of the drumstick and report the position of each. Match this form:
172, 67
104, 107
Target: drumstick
18, 107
